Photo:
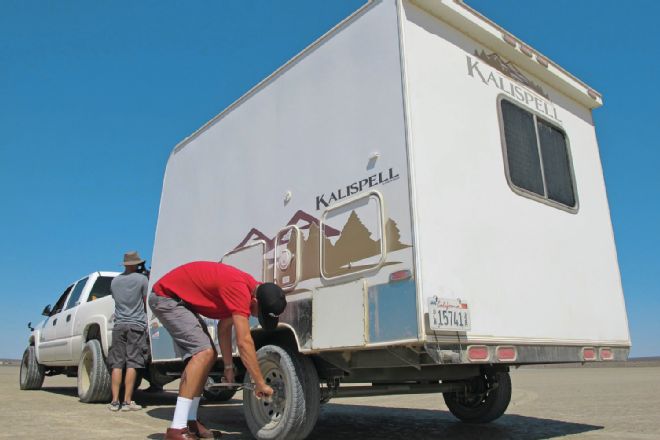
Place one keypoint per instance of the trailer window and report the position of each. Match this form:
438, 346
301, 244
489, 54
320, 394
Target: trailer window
359, 245
249, 259
537, 156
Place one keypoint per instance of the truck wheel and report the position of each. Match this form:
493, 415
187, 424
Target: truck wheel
32, 374
294, 408
216, 395
94, 381
486, 400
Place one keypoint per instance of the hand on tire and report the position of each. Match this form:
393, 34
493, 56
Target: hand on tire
263, 391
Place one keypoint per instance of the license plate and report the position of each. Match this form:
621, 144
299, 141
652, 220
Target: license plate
449, 314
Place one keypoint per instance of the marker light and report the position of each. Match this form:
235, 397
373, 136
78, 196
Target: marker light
478, 353
400, 275
589, 354
505, 354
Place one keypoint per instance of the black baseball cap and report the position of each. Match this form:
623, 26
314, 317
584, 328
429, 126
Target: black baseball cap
272, 303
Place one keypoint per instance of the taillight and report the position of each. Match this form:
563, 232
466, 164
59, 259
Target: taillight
589, 354
478, 353
606, 354
506, 354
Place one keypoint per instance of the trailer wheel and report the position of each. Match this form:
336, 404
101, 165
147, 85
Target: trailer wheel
294, 408
94, 381
215, 395
486, 400
32, 374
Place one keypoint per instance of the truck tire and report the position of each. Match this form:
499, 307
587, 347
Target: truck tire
486, 403
32, 374
216, 395
94, 381
294, 408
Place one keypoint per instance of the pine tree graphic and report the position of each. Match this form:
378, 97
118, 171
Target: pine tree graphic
354, 243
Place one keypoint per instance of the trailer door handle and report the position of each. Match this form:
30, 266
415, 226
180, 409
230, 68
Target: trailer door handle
68, 318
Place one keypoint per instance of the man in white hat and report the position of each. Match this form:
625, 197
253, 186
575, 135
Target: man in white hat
129, 349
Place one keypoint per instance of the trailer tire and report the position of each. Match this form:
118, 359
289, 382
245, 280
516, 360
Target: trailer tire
32, 374
293, 411
94, 381
482, 407
213, 395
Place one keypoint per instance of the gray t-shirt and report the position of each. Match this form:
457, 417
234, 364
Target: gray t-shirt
128, 291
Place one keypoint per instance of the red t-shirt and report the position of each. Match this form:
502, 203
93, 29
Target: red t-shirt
211, 289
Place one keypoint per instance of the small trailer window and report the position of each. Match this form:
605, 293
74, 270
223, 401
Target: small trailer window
537, 157
360, 246
249, 258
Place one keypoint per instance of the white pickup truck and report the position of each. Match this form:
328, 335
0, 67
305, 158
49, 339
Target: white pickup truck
74, 339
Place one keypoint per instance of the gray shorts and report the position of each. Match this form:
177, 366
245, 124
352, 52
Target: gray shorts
129, 347
187, 329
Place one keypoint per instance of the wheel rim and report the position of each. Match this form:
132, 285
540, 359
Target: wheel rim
24, 368
269, 413
86, 364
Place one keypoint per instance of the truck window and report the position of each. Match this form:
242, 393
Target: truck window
59, 305
537, 156
75, 295
100, 288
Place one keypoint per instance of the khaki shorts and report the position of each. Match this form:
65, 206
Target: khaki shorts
187, 329
129, 347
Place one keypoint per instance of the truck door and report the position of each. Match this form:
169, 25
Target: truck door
48, 342
64, 328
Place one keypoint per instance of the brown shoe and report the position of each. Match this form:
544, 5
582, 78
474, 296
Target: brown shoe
179, 434
201, 431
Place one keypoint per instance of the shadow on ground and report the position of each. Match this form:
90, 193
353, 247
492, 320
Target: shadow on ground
371, 422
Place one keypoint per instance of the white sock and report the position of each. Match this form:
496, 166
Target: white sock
181, 411
192, 415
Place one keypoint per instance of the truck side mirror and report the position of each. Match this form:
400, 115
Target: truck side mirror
30, 326
46, 311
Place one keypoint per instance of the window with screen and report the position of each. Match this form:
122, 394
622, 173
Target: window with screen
100, 289
537, 157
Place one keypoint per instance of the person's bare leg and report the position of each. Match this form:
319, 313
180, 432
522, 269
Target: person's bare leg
116, 383
129, 384
195, 373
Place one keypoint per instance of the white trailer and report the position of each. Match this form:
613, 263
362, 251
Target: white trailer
428, 190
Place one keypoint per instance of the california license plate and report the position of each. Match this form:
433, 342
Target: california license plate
449, 314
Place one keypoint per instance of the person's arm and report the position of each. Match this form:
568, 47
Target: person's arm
249, 355
224, 339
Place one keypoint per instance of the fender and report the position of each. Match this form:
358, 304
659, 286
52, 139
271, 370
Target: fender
104, 335
284, 335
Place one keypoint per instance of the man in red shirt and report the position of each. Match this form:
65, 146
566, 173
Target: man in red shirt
221, 292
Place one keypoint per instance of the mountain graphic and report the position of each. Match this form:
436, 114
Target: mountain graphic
353, 245
509, 69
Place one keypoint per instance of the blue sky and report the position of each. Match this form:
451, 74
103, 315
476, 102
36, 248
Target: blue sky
94, 95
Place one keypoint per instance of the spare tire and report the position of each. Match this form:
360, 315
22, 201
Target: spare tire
94, 381
32, 374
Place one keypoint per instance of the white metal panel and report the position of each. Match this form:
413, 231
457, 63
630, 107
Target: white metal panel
530, 272
326, 126
339, 316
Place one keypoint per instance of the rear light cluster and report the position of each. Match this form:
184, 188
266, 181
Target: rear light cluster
481, 353
593, 354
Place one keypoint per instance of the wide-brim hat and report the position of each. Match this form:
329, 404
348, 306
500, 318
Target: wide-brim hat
272, 303
132, 259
